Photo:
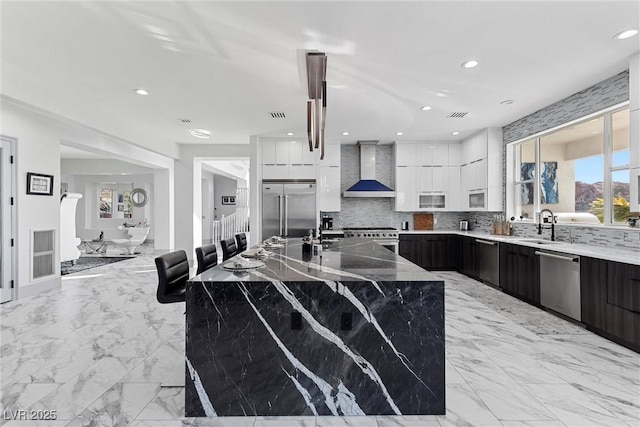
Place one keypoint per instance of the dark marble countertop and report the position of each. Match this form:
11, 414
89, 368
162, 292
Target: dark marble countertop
342, 260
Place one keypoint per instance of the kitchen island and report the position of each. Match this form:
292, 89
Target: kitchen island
353, 330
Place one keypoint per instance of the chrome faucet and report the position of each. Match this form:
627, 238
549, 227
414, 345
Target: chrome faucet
540, 220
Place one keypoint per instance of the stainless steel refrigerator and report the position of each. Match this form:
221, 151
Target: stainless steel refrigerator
288, 209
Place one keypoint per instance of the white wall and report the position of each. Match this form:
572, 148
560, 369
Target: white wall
223, 186
188, 175
37, 150
39, 135
207, 206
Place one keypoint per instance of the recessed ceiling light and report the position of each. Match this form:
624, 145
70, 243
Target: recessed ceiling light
290, 133
141, 92
425, 108
470, 64
507, 102
455, 133
399, 133
626, 34
345, 133
200, 133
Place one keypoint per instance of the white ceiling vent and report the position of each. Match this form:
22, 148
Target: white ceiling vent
457, 115
277, 115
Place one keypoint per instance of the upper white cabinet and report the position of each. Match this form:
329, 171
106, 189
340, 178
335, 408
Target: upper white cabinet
427, 175
329, 196
406, 154
432, 154
454, 154
287, 159
481, 171
331, 155
406, 179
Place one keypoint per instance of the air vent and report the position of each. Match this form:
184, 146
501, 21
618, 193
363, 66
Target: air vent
184, 120
457, 115
277, 115
43, 253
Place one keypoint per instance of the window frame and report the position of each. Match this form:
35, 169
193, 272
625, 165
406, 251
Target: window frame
513, 158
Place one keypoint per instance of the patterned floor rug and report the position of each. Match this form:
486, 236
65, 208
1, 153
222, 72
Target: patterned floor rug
85, 263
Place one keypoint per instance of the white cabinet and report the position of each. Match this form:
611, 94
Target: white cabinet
481, 171
331, 155
453, 195
406, 188
329, 189
275, 159
433, 178
454, 154
432, 154
329, 196
406, 154
427, 174
287, 160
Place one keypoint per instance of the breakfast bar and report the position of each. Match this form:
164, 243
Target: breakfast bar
353, 329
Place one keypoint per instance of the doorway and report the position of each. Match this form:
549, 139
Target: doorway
7, 218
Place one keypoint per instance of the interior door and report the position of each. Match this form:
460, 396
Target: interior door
300, 209
272, 210
7, 218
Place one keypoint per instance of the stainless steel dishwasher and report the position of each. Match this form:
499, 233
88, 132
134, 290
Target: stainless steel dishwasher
488, 262
560, 283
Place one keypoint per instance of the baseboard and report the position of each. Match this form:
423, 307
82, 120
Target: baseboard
39, 287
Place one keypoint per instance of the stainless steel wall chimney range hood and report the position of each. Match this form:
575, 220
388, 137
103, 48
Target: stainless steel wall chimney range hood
368, 186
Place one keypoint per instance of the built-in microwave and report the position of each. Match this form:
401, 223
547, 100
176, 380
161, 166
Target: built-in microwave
477, 199
431, 200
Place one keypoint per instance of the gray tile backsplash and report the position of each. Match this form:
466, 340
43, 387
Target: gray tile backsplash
607, 93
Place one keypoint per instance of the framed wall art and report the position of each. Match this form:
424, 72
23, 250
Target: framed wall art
39, 184
228, 200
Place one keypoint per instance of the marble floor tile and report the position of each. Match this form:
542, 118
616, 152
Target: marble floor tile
77, 394
532, 423
62, 369
623, 401
82, 349
346, 422
224, 422
407, 421
36, 423
168, 404
465, 408
285, 422
15, 370
161, 423
19, 397
118, 406
572, 406
495, 387
451, 375
165, 366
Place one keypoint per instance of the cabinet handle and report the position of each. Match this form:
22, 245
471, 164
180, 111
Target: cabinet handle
560, 257
484, 242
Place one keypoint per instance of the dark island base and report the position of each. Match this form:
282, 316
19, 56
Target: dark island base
315, 348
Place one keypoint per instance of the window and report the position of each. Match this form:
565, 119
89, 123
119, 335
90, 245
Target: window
114, 201
572, 170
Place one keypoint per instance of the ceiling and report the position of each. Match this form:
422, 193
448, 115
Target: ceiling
225, 66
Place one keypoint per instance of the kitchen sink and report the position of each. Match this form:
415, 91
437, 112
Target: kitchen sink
538, 241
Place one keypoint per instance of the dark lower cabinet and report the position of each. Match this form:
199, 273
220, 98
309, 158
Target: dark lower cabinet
468, 264
520, 272
610, 300
431, 252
